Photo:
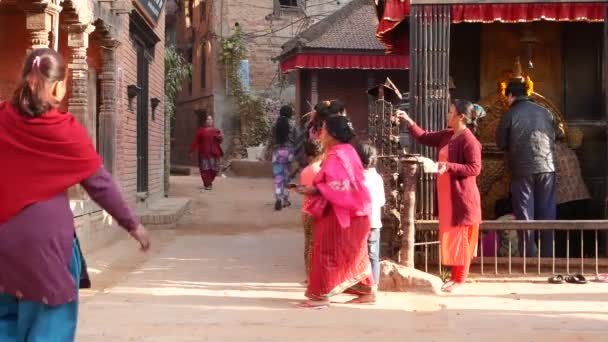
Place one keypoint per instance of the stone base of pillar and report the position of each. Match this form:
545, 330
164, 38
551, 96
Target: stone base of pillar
398, 278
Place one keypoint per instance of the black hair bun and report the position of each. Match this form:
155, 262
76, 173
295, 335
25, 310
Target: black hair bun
340, 127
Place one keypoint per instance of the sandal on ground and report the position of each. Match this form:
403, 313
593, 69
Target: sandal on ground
312, 305
601, 278
450, 286
556, 279
363, 300
286, 204
576, 279
278, 205
447, 284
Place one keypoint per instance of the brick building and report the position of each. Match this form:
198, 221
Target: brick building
340, 57
114, 52
197, 26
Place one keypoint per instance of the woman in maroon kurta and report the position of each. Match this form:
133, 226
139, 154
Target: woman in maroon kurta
44, 152
459, 201
208, 142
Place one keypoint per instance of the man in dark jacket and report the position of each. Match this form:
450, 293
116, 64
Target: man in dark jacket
527, 133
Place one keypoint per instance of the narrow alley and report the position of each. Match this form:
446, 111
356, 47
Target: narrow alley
232, 269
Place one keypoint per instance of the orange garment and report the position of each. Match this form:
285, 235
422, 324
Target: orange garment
458, 244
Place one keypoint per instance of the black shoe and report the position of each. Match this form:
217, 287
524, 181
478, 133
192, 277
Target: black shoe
286, 204
278, 205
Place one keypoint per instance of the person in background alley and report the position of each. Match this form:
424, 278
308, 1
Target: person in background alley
284, 140
375, 185
208, 142
527, 132
45, 152
313, 150
459, 164
341, 205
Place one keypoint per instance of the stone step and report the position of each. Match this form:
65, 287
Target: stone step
250, 168
180, 170
164, 212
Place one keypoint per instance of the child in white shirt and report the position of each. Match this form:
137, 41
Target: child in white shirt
375, 184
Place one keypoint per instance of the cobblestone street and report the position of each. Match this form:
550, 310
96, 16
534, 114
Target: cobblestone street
232, 269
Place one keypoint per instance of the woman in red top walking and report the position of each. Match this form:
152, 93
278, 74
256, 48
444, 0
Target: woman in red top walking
459, 204
208, 141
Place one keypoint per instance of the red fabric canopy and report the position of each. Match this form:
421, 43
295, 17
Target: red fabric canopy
515, 13
344, 61
392, 30
394, 34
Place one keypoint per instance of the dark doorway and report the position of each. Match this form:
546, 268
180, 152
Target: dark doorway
142, 120
144, 40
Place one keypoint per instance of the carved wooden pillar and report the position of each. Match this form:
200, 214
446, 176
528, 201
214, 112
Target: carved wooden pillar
108, 108
408, 215
39, 22
78, 42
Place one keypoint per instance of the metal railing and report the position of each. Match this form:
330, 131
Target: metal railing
427, 248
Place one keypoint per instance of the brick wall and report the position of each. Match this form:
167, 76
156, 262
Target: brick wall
271, 31
126, 123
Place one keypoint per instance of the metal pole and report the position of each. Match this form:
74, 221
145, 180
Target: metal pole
408, 219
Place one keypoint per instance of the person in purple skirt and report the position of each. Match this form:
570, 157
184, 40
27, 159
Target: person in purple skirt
43, 153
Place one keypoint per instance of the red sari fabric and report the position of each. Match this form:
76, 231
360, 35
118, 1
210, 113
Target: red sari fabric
208, 143
340, 260
41, 157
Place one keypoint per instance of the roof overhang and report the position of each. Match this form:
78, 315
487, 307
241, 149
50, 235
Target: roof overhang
343, 61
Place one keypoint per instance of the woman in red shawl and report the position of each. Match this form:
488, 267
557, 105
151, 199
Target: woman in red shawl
341, 205
44, 152
208, 142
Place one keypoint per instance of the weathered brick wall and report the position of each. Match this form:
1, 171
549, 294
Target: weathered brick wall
271, 31
126, 123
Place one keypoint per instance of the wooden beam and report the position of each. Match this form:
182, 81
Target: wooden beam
491, 2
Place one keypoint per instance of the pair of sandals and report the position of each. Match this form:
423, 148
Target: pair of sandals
450, 286
571, 279
317, 305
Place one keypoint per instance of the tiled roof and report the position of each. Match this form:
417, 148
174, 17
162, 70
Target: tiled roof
353, 27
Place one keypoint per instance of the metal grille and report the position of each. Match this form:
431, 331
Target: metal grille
429, 78
384, 136
584, 254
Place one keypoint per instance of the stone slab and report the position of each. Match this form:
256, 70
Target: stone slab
164, 212
398, 278
250, 168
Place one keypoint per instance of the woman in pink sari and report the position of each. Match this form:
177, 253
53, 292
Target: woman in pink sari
341, 205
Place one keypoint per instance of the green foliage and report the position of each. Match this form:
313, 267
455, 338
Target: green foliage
255, 126
177, 69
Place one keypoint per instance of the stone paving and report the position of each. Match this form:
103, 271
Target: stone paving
232, 270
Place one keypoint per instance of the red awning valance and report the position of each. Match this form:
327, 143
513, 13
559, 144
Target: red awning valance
517, 13
345, 61
393, 27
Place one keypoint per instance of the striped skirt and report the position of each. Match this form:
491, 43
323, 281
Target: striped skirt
340, 261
